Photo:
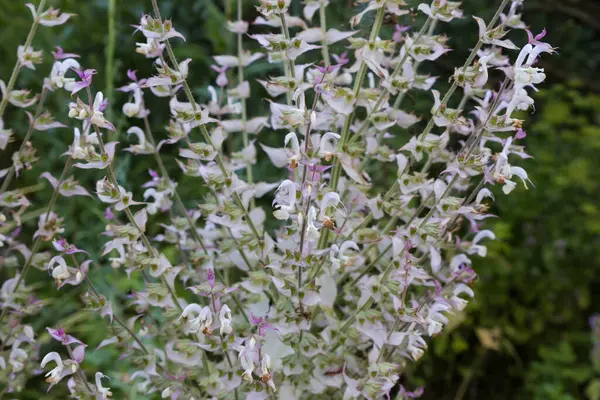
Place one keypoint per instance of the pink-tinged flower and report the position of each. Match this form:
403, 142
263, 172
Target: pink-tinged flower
29, 57
86, 79
50, 17
49, 225
64, 247
18, 98
99, 161
342, 59
210, 277
535, 39
399, 30
82, 111
44, 122
261, 323
222, 77
59, 54
521, 134
121, 198
154, 29
69, 187
131, 74
60, 335
442, 10
79, 353
108, 214
151, 49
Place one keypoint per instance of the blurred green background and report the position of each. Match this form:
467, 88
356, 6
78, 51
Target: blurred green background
526, 334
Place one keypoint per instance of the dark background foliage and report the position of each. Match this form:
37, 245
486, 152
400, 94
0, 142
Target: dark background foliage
526, 334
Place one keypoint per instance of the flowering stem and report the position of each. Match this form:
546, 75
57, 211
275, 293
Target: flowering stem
38, 112
432, 210
165, 174
470, 59
206, 135
470, 148
113, 178
17, 67
444, 100
448, 94
430, 22
38, 240
80, 372
240, 47
358, 82
116, 318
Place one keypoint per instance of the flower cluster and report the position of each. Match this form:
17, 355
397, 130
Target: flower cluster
353, 282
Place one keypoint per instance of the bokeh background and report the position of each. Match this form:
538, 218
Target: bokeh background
525, 336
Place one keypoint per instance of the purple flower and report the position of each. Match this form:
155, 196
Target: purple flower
520, 134
108, 214
342, 59
535, 39
400, 29
63, 246
59, 54
211, 278
131, 74
60, 335
86, 79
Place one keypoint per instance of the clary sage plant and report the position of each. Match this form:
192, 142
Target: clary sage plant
336, 301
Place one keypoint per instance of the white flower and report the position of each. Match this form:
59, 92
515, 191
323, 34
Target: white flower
312, 232
198, 318
265, 366
442, 10
61, 271
328, 145
343, 256
56, 374
225, 319
285, 200
103, 392
246, 359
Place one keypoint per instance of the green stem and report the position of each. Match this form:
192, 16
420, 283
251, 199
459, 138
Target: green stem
165, 174
206, 135
358, 82
113, 179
